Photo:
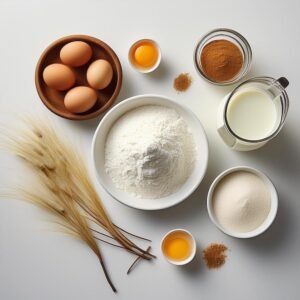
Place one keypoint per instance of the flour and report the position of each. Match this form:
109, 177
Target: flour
150, 152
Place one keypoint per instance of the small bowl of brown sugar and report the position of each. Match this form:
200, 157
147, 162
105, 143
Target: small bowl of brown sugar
222, 56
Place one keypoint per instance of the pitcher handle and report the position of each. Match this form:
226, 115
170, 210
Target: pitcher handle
227, 137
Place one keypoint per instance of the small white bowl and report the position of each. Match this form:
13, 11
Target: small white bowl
193, 244
146, 70
98, 153
271, 216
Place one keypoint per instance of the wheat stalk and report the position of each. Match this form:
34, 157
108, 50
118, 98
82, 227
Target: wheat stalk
65, 189
69, 217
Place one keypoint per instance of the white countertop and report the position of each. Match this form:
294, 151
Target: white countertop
36, 262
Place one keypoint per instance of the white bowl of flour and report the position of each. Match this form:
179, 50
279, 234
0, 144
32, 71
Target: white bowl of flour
150, 152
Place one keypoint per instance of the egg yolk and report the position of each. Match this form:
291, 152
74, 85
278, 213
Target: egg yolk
177, 248
146, 55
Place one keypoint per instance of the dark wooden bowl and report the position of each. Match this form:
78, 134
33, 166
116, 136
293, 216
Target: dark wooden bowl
54, 100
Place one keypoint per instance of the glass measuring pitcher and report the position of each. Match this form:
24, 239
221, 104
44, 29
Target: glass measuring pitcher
253, 113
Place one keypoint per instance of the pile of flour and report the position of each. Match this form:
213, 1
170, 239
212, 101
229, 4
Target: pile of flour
150, 152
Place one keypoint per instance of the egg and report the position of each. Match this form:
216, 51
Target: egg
99, 74
76, 54
177, 246
80, 99
59, 77
144, 54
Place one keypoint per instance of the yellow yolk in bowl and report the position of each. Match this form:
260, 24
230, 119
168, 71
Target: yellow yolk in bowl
144, 55
177, 247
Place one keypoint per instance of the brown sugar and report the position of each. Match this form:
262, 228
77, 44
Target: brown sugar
182, 82
215, 255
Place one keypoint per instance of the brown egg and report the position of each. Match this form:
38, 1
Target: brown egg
80, 99
99, 74
76, 53
59, 77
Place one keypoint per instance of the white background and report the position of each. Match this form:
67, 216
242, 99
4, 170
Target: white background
36, 262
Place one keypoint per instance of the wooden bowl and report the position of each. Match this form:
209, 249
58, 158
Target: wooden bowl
54, 100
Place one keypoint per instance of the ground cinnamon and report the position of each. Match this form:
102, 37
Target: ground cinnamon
182, 82
215, 255
221, 60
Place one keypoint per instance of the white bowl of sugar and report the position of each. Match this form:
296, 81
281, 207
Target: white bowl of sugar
168, 169
242, 202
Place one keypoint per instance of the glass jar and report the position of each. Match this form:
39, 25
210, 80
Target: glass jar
231, 36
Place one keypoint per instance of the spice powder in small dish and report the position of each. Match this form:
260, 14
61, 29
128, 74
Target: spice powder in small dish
221, 60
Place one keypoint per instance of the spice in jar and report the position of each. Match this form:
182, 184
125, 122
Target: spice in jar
215, 255
182, 82
221, 60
